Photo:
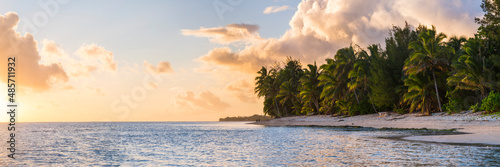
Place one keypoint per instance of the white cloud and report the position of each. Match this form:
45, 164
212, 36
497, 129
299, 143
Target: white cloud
320, 27
228, 34
275, 9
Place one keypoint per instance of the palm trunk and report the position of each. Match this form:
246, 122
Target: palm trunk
356, 95
375, 109
294, 106
483, 93
316, 104
371, 102
331, 106
437, 92
285, 111
277, 108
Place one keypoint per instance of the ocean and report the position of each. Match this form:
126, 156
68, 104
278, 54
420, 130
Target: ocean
228, 144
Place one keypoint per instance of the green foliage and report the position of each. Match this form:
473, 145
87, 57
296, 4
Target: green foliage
306, 110
476, 107
420, 95
342, 106
382, 92
453, 106
456, 43
428, 58
491, 104
310, 89
399, 110
412, 73
388, 70
472, 71
360, 109
489, 33
265, 87
490, 21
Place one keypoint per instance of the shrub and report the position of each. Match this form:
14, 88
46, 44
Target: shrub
491, 103
475, 107
307, 110
399, 110
360, 109
342, 107
453, 106
456, 102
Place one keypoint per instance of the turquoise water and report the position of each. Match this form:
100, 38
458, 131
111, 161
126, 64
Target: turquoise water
228, 144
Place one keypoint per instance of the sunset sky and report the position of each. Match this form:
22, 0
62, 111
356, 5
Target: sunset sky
184, 60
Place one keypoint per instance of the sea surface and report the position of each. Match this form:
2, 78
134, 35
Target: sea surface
228, 144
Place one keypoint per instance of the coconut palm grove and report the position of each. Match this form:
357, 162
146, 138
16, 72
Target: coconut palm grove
419, 70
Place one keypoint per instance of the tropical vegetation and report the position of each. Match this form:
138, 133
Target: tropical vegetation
419, 70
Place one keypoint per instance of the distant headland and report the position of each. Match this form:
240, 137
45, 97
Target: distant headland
247, 118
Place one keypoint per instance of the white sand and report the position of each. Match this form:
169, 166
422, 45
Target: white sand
481, 129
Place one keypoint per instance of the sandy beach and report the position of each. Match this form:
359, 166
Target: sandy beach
479, 129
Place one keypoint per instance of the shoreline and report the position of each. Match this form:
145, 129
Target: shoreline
476, 129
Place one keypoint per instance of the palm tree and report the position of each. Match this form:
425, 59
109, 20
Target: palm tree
287, 82
262, 82
345, 58
264, 87
328, 81
390, 84
429, 55
274, 88
360, 74
456, 43
471, 71
288, 93
420, 95
334, 77
310, 89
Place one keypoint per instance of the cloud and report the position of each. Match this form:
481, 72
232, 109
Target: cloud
82, 70
454, 17
162, 67
247, 60
275, 9
93, 51
205, 100
320, 27
228, 34
51, 48
30, 73
243, 90
82, 66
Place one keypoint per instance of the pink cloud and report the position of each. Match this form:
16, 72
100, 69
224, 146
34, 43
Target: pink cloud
162, 67
320, 27
30, 73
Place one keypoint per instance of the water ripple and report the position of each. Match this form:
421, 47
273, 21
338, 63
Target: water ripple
228, 144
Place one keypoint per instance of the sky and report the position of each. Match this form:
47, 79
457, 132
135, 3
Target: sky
184, 60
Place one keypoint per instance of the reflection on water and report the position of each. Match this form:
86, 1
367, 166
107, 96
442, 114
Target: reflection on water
227, 144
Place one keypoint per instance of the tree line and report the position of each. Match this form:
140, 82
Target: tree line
419, 70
